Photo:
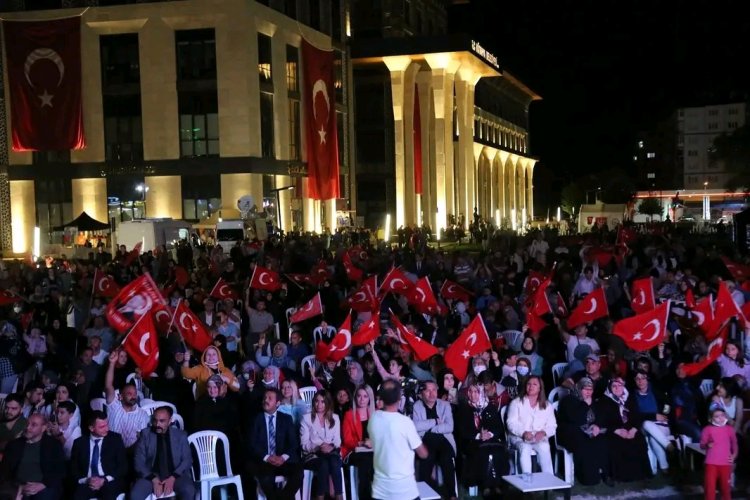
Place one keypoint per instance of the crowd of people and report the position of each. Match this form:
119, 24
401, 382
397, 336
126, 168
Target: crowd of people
81, 420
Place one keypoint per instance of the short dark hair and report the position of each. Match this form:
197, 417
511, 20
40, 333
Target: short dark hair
390, 392
94, 416
485, 378
68, 406
32, 386
18, 398
274, 390
165, 408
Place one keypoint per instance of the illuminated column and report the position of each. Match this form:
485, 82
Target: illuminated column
235, 186
530, 187
503, 175
466, 181
330, 209
426, 201
521, 169
91, 99
90, 196
281, 125
403, 73
164, 196
441, 152
23, 215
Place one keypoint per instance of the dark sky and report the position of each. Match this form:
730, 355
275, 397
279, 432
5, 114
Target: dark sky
607, 69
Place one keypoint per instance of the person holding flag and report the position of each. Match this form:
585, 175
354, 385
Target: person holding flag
211, 364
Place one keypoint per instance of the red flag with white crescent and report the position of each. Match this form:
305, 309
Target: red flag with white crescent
396, 282
702, 314
473, 340
364, 298
222, 291
132, 302
340, 345
265, 279
193, 331
133, 255
737, 270
715, 348
314, 307
352, 272
533, 280
142, 345
725, 308
8, 297
642, 295
593, 306
104, 285
422, 298
561, 309
320, 273
646, 330
320, 122
422, 350
368, 331
454, 291
162, 318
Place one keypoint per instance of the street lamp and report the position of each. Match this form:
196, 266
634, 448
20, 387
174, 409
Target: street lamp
278, 203
143, 189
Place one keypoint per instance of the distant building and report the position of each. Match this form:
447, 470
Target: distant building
658, 165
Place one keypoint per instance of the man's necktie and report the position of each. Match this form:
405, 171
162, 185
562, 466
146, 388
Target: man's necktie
271, 436
95, 459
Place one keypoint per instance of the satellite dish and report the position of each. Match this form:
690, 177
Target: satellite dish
245, 204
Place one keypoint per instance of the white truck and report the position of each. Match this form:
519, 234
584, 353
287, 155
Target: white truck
153, 233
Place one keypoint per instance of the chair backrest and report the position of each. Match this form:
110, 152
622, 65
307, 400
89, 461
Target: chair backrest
311, 363
557, 372
504, 413
150, 408
147, 402
307, 394
707, 386
98, 404
2, 401
177, 421
557, 394
204, 443
277, 330
513, 339
555, 405
288, 314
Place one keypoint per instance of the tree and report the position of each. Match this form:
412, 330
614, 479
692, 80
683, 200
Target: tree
734, 151
650, 207
572, 196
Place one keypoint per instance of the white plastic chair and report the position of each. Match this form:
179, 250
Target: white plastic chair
208, 476
98, 404
707, 387
557, 394
177, 421
568, 463
278, 480
513, 339
312, 365
307, 480
139, 386
516, 451
318, 333
308, 394
277, 330
147, 402
557, 372
150, 408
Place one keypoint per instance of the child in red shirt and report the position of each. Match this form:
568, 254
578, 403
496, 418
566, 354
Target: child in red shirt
720, 443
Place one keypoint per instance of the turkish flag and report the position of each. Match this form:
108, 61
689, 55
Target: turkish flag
644, 331
314, 307
535, 323
422, 298
299, 279
104, 285
44, 83
7, 297
340, 345
181, 276
690, 298
368, 331
191, 328
715, 348
642, 295
352, 272
265, 279
737, 270
533, 280
422, 350
472, 341
134, 300
365, 299
319, 273
417, 139
142, 345
133, 254
222, 290
451, 290
561, 309
703, 314
725, 308
593, 306
538, 302
162, 318
320, 123
396, 282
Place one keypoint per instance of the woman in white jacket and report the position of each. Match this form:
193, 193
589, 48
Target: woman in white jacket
320, 437
531, 422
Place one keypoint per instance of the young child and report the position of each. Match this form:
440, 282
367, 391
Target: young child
720, 443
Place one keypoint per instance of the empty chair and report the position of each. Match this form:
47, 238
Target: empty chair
319, 333
557, 394
513, 339
307, 394
557, 373
207, 473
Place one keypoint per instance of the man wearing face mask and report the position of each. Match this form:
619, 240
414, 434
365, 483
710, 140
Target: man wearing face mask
163, 461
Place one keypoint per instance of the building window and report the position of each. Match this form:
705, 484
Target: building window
713, 126
733, 111
199, 125
692, 152
196, 54
119, 59
294, 129
292, 68
264, 60
47, 157
338, 76
713, 112
123, 131
201, 196
650, 155
340, 121
266, 125
54, 203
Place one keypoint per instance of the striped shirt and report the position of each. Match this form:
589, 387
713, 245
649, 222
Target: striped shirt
127, 423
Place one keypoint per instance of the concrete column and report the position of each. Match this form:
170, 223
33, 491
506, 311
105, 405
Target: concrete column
91, 95
427, 200
530, 187
281, 124
521, 167
402, 89
330, 214
513, 184
90, 196
235, 186
23, 213
465, 170
159, 110
164, 196
501, 157
285, 200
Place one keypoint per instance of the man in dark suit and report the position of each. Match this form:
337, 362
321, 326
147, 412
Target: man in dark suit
98, 461
33, 465
274, 448
163, 461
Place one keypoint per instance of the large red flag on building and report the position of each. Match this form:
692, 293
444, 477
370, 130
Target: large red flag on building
472, 341
417, 127
44, 84
134, 300
142, 345
320, 123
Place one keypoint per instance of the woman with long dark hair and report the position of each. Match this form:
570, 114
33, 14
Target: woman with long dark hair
321, 443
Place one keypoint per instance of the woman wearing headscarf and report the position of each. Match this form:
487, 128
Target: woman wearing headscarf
211, 364
628, 451
274, 356
216, 412
528, 351
579, 431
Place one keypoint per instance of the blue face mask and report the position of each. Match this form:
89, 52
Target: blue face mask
522, 370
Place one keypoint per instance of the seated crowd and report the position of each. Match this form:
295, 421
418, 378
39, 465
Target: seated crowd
81, 420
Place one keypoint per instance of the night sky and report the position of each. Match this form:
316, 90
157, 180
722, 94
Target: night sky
608, 69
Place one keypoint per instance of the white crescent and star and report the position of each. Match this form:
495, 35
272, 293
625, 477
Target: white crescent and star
423, 296
641, 300
99, 285
396, 280
472, 338
224, 292
142, 344
592, 308
261, 277
159, 313
359, 297
701, 317
657, 329
50, 55
320, 87
348, 335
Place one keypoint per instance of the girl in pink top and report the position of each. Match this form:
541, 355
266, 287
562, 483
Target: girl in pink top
720, 443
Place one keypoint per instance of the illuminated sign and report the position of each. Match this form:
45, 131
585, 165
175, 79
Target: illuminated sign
488, 56
300, 170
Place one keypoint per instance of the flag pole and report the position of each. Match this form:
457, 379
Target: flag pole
122, 342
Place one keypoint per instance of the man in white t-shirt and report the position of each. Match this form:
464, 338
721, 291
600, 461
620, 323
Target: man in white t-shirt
394, 441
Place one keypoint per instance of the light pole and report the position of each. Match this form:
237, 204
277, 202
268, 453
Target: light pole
143, 189
706, 203
278, 204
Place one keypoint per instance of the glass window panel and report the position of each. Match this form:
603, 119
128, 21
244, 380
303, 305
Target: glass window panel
110, 130
188, 209
186, 127
213, 147
212, 125
186, 148
200, 148
201, 209
199, 126
137, 130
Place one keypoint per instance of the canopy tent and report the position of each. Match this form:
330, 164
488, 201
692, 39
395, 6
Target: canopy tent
84, 222
224, 213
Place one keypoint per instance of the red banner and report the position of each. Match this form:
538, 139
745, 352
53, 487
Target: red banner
320, 123
133, 302
417, 126
44, 83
